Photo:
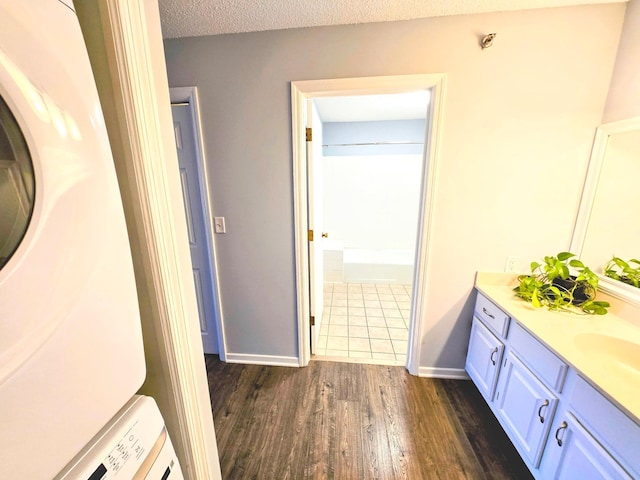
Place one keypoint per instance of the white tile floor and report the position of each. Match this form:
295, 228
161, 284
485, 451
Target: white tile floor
367, 323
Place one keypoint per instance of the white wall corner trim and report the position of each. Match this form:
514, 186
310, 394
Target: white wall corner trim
140, 123
270, 360
449, 373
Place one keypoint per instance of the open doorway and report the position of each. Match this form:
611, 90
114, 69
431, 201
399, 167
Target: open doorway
307, 260
366, 176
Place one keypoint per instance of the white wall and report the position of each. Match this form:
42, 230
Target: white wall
624, 94
372, 201
518, 126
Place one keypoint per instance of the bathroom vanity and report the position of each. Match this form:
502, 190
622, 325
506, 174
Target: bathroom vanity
564, 386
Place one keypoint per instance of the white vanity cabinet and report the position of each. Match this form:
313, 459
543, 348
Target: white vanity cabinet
525, 408
530, 379
523, 401
590, 438
573, 453
483, 358
562, 425
489, 328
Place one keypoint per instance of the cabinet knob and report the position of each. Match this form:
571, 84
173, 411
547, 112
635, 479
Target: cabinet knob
562, 426
544, 404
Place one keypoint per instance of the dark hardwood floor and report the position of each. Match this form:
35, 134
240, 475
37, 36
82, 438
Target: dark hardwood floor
348, 421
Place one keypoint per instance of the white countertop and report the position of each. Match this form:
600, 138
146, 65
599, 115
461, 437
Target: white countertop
572, 335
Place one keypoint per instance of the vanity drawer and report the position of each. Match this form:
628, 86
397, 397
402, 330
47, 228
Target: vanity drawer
548, 367
492, 316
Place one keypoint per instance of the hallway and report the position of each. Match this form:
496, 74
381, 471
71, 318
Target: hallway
346, 421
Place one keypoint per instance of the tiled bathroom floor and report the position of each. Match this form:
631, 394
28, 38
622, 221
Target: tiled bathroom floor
365, 323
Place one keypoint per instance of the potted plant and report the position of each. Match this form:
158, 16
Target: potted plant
562, 282
624, 271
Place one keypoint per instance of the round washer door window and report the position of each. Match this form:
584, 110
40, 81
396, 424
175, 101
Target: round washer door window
16, 184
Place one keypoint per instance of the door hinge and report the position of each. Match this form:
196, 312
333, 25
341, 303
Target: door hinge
310, 235
312, 320
308, 134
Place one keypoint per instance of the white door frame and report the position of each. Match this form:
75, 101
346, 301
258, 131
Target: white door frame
315, 223
124, 41
300, 92
190, 95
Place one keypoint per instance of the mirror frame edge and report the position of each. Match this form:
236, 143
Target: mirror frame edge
620, 290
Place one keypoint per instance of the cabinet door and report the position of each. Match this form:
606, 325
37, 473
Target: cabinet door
525, 408
483, 358
573, 453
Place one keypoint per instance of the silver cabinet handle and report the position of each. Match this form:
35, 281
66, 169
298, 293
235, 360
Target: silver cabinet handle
544, 404
493, 352
562, 426
486, 312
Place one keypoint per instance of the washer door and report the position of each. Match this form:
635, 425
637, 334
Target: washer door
71, 351
16, 184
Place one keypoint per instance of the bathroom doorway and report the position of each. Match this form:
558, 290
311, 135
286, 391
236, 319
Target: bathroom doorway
307, 237
367, 167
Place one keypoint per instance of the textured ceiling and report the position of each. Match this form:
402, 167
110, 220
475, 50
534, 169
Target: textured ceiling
191, 18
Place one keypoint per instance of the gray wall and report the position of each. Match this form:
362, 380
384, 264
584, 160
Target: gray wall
518, 125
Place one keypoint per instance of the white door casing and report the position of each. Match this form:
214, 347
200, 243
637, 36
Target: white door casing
300, 92
194, 207
315, 215
124, 41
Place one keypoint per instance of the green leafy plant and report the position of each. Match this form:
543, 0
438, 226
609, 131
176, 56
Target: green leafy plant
551, 284
624, 271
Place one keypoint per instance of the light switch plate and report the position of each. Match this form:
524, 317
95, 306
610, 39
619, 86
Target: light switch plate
511, 264
218, 225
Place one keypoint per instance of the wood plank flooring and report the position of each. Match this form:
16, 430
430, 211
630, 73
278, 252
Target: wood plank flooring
348, 421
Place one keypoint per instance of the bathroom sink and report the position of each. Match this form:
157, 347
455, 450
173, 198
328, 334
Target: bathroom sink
618, 354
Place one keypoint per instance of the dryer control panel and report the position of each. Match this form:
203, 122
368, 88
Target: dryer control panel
134, 445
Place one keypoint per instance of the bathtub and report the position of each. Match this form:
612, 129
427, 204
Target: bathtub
378, 266
333, 259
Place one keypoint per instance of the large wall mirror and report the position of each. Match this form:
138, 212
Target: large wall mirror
608, 222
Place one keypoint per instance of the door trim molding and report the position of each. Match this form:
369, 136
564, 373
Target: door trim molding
448, 373
302, 90
190, 95
255, 359
124, 41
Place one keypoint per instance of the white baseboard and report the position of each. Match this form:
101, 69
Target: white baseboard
271, 360
451, 373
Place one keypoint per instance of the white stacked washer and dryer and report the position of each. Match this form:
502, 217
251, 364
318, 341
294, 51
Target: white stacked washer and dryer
71, 354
